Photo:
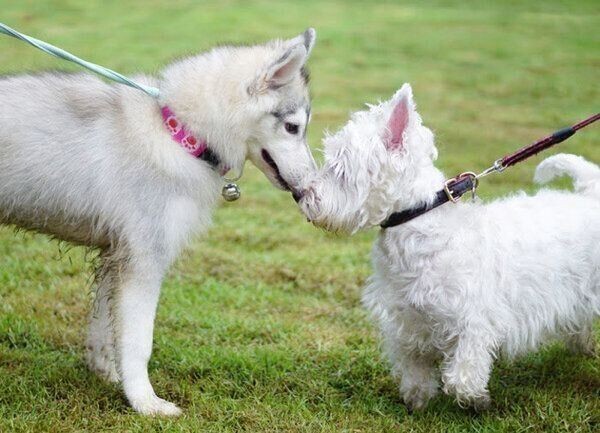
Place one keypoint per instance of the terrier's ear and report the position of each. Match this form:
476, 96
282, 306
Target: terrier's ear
403, 109
307, 38
283, 70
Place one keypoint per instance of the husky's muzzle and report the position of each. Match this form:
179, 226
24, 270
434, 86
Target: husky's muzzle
269, 160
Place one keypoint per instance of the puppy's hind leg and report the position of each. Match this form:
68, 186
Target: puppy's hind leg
100, 353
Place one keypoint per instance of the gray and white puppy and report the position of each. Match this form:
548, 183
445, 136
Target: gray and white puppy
94, 164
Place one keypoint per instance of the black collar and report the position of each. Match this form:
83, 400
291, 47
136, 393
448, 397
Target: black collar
210, 157
453, 190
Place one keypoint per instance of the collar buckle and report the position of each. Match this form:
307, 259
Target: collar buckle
455, 180
449, 192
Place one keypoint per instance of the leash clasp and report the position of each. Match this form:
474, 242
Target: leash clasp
497, 167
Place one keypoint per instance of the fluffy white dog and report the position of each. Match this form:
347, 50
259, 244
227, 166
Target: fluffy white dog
459, 285
110, 168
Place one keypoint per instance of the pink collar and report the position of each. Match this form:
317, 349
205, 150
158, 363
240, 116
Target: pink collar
181, 135
191, 144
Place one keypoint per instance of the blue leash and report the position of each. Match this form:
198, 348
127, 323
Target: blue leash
62, 54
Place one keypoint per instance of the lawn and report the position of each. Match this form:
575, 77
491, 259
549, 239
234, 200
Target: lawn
260, 326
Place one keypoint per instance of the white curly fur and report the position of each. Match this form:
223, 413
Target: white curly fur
456, 287
93, 163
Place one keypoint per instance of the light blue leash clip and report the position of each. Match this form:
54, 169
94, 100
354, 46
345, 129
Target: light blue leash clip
62, 54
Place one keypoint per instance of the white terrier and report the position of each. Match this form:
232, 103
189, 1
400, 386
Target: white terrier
108, 167
464, 282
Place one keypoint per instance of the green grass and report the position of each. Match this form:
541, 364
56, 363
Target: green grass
260, 328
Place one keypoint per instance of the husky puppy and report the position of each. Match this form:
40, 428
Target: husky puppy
108, 167
464, 282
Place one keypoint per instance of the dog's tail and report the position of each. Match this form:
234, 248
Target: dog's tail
585, 175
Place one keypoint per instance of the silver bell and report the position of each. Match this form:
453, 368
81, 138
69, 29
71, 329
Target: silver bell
231, 192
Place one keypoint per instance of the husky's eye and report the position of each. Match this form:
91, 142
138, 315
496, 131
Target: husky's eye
292, 128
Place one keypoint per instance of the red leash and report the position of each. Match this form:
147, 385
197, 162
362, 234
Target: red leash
545, 143
542, 144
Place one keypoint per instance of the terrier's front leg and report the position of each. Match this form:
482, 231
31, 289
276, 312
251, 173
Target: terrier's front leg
135, 309
419, 380
413, 360
466, 371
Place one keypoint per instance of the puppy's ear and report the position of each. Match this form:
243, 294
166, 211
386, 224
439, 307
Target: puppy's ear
283, 70
308, 39
290, 62
403, 108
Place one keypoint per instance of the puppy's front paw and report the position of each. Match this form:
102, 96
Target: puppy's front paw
153, 405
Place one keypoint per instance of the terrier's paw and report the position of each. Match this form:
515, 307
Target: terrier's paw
583, 344
153, 405
415, 402
101, 360
590, 351
478, 399
480, 402
417, 398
